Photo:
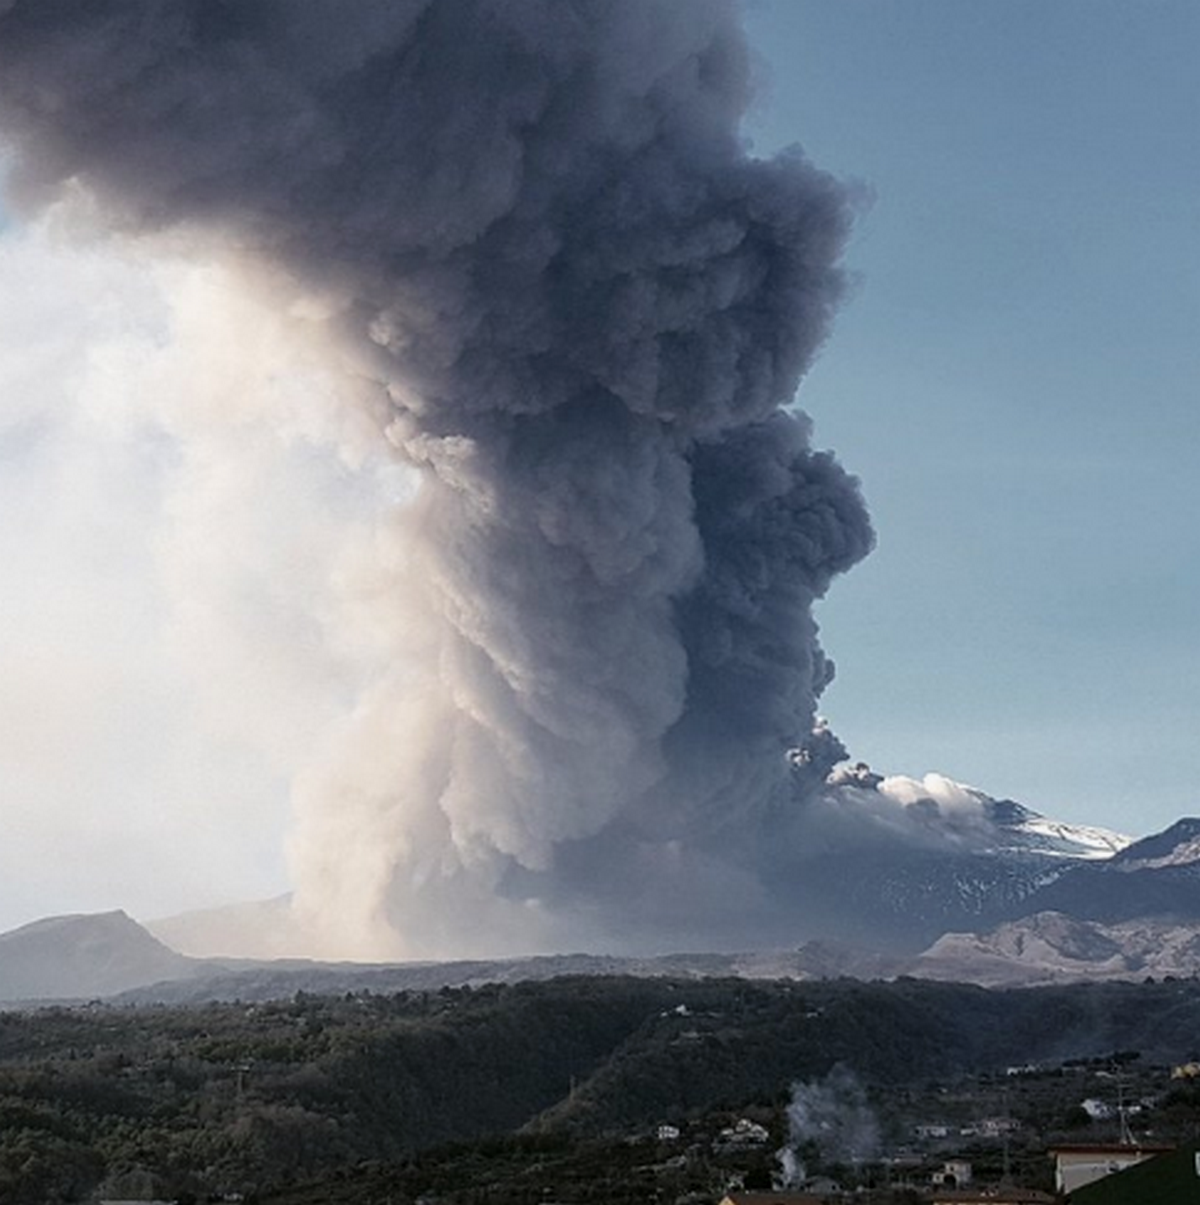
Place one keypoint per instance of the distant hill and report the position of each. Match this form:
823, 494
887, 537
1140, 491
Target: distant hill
258, 929
265, 981
1051, 947
68, 957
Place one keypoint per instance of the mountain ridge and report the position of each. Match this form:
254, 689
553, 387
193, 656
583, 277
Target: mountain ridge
83, 955
980, 890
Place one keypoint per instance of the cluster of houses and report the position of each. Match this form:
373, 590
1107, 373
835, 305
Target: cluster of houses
1096, 1174
988, 1127
742, 1134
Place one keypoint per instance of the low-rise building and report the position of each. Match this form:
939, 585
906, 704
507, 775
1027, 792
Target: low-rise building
996, 1127
772, 1198
954, 1173
990, 1196
1172, 1178
744, 1133
1075, 1166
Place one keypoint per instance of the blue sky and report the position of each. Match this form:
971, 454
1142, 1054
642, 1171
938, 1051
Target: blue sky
1015, 381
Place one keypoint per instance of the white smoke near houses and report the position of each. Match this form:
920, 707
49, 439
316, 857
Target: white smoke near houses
503, 279
830, 1119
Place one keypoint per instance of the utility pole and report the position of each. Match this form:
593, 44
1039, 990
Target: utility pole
1126, 1138
1006, 1123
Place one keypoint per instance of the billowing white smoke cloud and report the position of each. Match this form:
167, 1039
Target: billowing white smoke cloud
832, 1117
521, 244
178, 556
858, 808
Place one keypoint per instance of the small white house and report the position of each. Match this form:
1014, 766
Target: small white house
997, 1127
955, 1173
745, 1133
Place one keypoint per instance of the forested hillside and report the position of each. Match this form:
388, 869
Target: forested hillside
239, 1098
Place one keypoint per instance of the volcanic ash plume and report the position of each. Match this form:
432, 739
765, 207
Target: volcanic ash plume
566, 297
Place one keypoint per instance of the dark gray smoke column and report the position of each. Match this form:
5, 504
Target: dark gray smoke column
579, 307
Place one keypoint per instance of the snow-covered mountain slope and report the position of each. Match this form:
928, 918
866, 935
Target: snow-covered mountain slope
1178, 845
1032, 833
1157, 876
904, 860
936, 811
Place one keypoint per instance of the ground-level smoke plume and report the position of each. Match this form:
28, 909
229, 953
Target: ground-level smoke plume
528, 237
830, 1119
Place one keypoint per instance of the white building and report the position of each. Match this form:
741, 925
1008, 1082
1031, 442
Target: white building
954, 1174
1075, 1166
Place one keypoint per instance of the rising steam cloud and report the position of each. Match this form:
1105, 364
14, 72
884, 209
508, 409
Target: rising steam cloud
529, 241
831, 1119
